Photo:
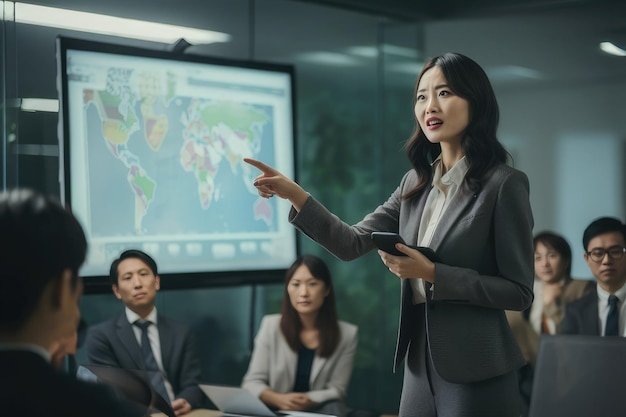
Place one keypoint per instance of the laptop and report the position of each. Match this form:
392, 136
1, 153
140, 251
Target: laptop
236, 401
579, 376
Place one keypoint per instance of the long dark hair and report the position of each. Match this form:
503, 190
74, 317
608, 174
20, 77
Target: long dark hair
326, 323
480, 144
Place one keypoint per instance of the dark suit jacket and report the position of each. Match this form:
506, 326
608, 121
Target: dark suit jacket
484, 241
113, 343
31, 387
582, 316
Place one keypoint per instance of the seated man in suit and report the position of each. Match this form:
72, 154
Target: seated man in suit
170, 354
42, 247
601, 312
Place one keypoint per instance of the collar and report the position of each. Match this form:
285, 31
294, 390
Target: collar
132, 317
29, 347
604, 296
455, 175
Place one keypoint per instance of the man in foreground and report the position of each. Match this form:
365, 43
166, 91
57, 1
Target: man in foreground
42, 247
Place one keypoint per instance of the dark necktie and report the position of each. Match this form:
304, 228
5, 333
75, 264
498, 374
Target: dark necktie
156, 377
612, 319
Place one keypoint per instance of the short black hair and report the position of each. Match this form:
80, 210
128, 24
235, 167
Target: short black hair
131, 253
39, 240
601, 226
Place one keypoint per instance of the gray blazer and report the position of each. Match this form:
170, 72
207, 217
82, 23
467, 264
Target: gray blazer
484, 241
113, 343
273, 363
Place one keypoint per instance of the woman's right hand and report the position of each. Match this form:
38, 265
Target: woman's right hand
297, 401
271, 182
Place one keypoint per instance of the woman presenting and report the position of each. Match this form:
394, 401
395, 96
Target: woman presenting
302, 358
462, 200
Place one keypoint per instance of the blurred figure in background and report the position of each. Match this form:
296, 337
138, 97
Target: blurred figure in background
602, 312
554, 288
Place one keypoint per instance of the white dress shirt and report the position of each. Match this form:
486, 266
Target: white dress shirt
444, 188
155, 342
603, 309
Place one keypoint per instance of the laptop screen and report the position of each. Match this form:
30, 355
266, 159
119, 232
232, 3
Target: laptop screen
579, 376
236, 400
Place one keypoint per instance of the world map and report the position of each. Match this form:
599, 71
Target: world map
168, 159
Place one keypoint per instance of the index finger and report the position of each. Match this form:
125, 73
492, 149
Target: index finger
259, 165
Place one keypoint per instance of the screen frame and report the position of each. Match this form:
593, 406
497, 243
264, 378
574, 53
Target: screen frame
185, 280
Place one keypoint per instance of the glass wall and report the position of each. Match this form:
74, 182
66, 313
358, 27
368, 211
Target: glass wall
354, 78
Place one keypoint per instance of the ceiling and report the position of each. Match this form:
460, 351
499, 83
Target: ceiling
429, 10
522, 43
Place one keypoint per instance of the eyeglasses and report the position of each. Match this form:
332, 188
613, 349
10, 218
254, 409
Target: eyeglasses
615, 252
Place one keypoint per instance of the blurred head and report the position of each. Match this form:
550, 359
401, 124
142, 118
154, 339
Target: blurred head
134, 281
309, 291
604, 241
42, 247
468, 81
553, 257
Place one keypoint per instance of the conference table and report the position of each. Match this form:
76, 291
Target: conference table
199, 412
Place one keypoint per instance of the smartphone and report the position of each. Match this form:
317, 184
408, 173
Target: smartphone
386, 241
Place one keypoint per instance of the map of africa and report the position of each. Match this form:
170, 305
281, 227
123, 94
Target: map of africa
161, 160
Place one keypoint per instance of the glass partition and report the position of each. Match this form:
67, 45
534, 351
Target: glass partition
350, 130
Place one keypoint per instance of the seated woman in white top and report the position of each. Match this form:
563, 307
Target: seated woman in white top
302, 358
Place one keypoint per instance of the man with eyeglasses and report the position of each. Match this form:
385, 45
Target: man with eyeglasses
601, 312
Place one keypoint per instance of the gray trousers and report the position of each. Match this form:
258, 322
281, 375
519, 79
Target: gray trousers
426, 394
